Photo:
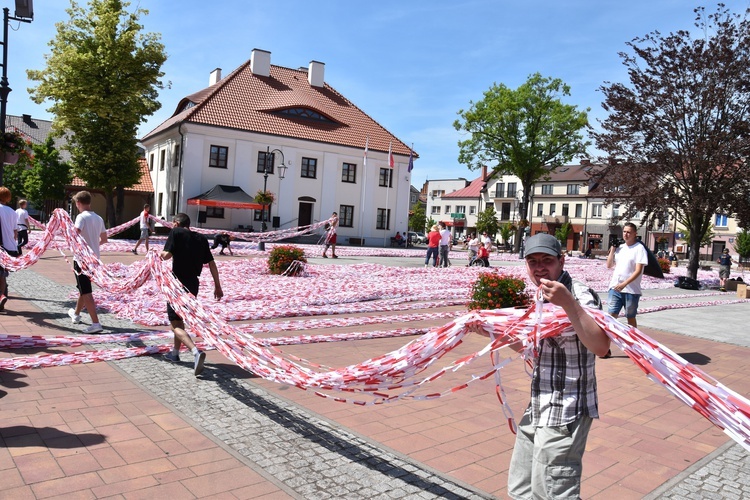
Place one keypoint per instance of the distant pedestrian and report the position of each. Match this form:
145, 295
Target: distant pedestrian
223, 239
725, 263
8, 239
145, 226
433, 246
189, 251
473, 247
331, 236
23, 225
445, 245
628, 260
91, 227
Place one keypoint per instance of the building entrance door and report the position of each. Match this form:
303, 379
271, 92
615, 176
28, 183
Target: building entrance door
305, 213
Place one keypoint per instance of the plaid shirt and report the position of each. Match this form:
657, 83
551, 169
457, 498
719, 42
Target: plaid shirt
563, 384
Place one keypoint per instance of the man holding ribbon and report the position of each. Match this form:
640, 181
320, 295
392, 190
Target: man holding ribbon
189, 251
552, 434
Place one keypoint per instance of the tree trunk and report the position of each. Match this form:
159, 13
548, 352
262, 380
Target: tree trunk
524, 214
120, 208
110, 209
697, 231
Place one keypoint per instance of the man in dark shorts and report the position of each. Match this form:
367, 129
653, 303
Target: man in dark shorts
189, 251
223, 239
91, 227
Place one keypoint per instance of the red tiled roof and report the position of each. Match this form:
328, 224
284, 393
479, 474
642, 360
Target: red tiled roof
473, 190
143, 186
244, 101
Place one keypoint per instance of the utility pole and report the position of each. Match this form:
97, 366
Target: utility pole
25, 14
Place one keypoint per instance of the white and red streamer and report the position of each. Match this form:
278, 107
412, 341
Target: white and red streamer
409, 372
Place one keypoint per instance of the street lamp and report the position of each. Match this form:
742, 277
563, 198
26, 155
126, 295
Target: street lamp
24, 13
267, 169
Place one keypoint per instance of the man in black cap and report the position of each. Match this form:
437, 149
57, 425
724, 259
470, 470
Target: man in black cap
551, 438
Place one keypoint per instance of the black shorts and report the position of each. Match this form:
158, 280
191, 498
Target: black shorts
12, 253
192, 287
83, 282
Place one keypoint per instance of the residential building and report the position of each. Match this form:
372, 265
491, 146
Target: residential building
37, 131
440, 204
239, 131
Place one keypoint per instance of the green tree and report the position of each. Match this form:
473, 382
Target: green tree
528, 132
430, 222
487, 221
742, 245
562, 233
676, 134
102, 77
704, 239
418, 218
48, 176
506, 230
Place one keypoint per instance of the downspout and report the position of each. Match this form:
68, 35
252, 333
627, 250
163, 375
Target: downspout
179, 166
585, 227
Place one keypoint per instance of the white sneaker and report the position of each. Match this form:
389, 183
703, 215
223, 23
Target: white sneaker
94, 328
200, 358
76, 318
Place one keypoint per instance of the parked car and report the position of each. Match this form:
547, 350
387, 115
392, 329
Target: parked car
416, 238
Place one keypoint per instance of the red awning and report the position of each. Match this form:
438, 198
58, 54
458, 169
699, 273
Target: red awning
225, 197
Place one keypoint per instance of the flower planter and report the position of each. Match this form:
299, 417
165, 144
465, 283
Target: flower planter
10, 158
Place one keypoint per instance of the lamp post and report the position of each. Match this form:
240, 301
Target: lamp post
521, 233
25, 16
267, 169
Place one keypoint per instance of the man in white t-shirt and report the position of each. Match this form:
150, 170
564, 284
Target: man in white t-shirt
23, 225
91, 227
145, 227
8, 235
473, 247
629, 260
445, 244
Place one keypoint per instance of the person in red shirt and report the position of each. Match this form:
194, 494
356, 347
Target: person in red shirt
433, 246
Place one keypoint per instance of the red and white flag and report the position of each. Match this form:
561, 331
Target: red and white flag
390, 155
364, 161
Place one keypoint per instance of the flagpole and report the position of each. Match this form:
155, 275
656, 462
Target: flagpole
388, 185
363, 193
408, 189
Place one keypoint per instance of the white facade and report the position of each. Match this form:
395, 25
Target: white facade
299, 200
437, 208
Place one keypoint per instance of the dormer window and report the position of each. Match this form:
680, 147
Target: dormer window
305, 113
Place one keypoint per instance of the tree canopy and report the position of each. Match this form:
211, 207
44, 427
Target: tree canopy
487, 221
527, 132
417, 218
103, 77
678, 133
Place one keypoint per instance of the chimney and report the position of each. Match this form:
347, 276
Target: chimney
484, 172
215, 77
315, 74
260, 62
585, 162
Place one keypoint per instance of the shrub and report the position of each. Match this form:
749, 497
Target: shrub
495, 291
281, 258
665, 265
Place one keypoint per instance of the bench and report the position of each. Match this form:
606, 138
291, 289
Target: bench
396, 243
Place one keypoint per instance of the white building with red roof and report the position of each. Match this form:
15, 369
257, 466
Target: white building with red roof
225, 133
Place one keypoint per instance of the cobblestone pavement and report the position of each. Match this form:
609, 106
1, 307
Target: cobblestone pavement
724, 474
311, 457
306, 455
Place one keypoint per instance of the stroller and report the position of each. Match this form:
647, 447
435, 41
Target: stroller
483, 257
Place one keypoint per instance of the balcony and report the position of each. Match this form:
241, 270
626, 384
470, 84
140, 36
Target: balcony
555, 219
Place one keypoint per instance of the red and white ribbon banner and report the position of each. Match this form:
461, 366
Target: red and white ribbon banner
409, 372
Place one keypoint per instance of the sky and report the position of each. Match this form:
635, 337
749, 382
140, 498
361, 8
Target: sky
411, 65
